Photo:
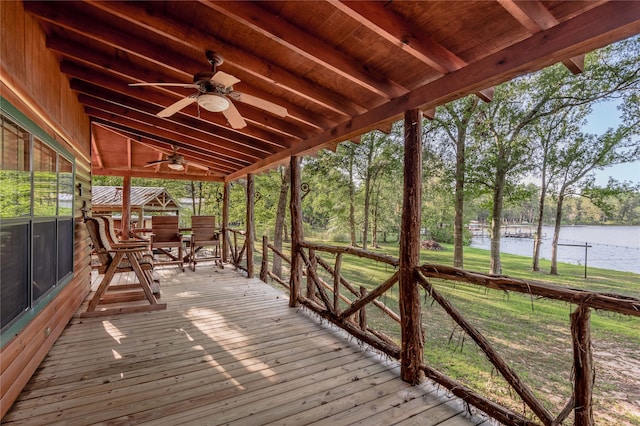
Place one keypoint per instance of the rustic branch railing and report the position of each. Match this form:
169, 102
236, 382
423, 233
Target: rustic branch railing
325, 298
237, 245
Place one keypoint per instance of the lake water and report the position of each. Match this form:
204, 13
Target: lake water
612, 247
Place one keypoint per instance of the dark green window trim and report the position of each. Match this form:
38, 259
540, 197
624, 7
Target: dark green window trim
14, 328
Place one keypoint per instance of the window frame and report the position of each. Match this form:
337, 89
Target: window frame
37, 305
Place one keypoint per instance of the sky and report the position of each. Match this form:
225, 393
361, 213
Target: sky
604, 116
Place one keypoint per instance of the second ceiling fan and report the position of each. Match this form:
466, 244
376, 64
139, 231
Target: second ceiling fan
215, 91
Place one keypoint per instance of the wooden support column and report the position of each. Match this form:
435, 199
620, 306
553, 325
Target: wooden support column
264, 265
225, 223
126, 208
411, 355
249, 224
584, 374
295, 205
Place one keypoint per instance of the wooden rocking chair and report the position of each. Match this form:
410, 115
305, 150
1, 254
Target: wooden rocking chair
135, 242
204, 234
117, 260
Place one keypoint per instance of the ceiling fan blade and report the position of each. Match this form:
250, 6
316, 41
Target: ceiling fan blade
233, 116
153, 163
259, 103
196, 165
183, 85
172, 109
224, 79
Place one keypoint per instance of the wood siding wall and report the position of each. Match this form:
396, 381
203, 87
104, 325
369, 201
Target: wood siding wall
30, 80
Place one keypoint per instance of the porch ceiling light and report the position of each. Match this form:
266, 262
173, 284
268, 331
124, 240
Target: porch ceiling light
213, 102
175, 166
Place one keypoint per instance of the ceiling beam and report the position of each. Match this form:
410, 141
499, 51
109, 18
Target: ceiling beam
269, 74
415, 41
187, 123
535, 17
199, 155
135, 122
598, 27
159, 96
300, 41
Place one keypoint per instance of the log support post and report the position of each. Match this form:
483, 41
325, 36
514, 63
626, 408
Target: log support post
249, 225
225, 223
295, 206
336, 283
584, 375
264, 266
126, 208
411, 355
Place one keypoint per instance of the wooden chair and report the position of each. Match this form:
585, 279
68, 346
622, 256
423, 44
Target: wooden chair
204, 234
117, 260
134, 242
166, 235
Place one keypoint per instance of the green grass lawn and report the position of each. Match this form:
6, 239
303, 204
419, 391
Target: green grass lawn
532, 335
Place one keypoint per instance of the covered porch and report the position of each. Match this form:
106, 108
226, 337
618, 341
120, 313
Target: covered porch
228, 350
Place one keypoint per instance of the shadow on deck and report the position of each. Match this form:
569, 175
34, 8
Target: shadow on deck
228, 350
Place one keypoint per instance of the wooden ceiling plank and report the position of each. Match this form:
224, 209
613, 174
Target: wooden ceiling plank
397, 31
187, 122
196, 154
129, 153
212, 177
268, 73
94, 149
159, 56
142, 135
535, 17
156, 97
597, 27
251, 15
111, 112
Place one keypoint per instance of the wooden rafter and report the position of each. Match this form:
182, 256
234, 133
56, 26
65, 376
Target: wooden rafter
535, 17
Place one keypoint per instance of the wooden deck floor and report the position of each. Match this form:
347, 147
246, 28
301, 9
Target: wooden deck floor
228, 350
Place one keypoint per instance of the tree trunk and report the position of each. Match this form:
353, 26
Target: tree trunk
250, 225
458, 250
367, 202
352, 202
495, 267
374, 230
538, 236
556, 235
280, 219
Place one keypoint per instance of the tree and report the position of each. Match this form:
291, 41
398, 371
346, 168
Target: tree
583, 155
549, 132
376, 155
455, 120
280, 218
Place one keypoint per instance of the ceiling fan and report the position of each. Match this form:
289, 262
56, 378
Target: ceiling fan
175, 161
215, 91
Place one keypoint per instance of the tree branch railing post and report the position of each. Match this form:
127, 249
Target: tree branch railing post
362, 313
584, 374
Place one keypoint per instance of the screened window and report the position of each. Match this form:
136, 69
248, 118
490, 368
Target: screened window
36, 219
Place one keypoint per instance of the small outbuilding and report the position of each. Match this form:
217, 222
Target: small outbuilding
107, 200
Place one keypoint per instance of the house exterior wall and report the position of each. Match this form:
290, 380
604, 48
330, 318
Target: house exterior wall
31, 82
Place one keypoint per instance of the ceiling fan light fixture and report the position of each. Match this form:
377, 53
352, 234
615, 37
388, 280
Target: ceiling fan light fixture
175, 166
213, 102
